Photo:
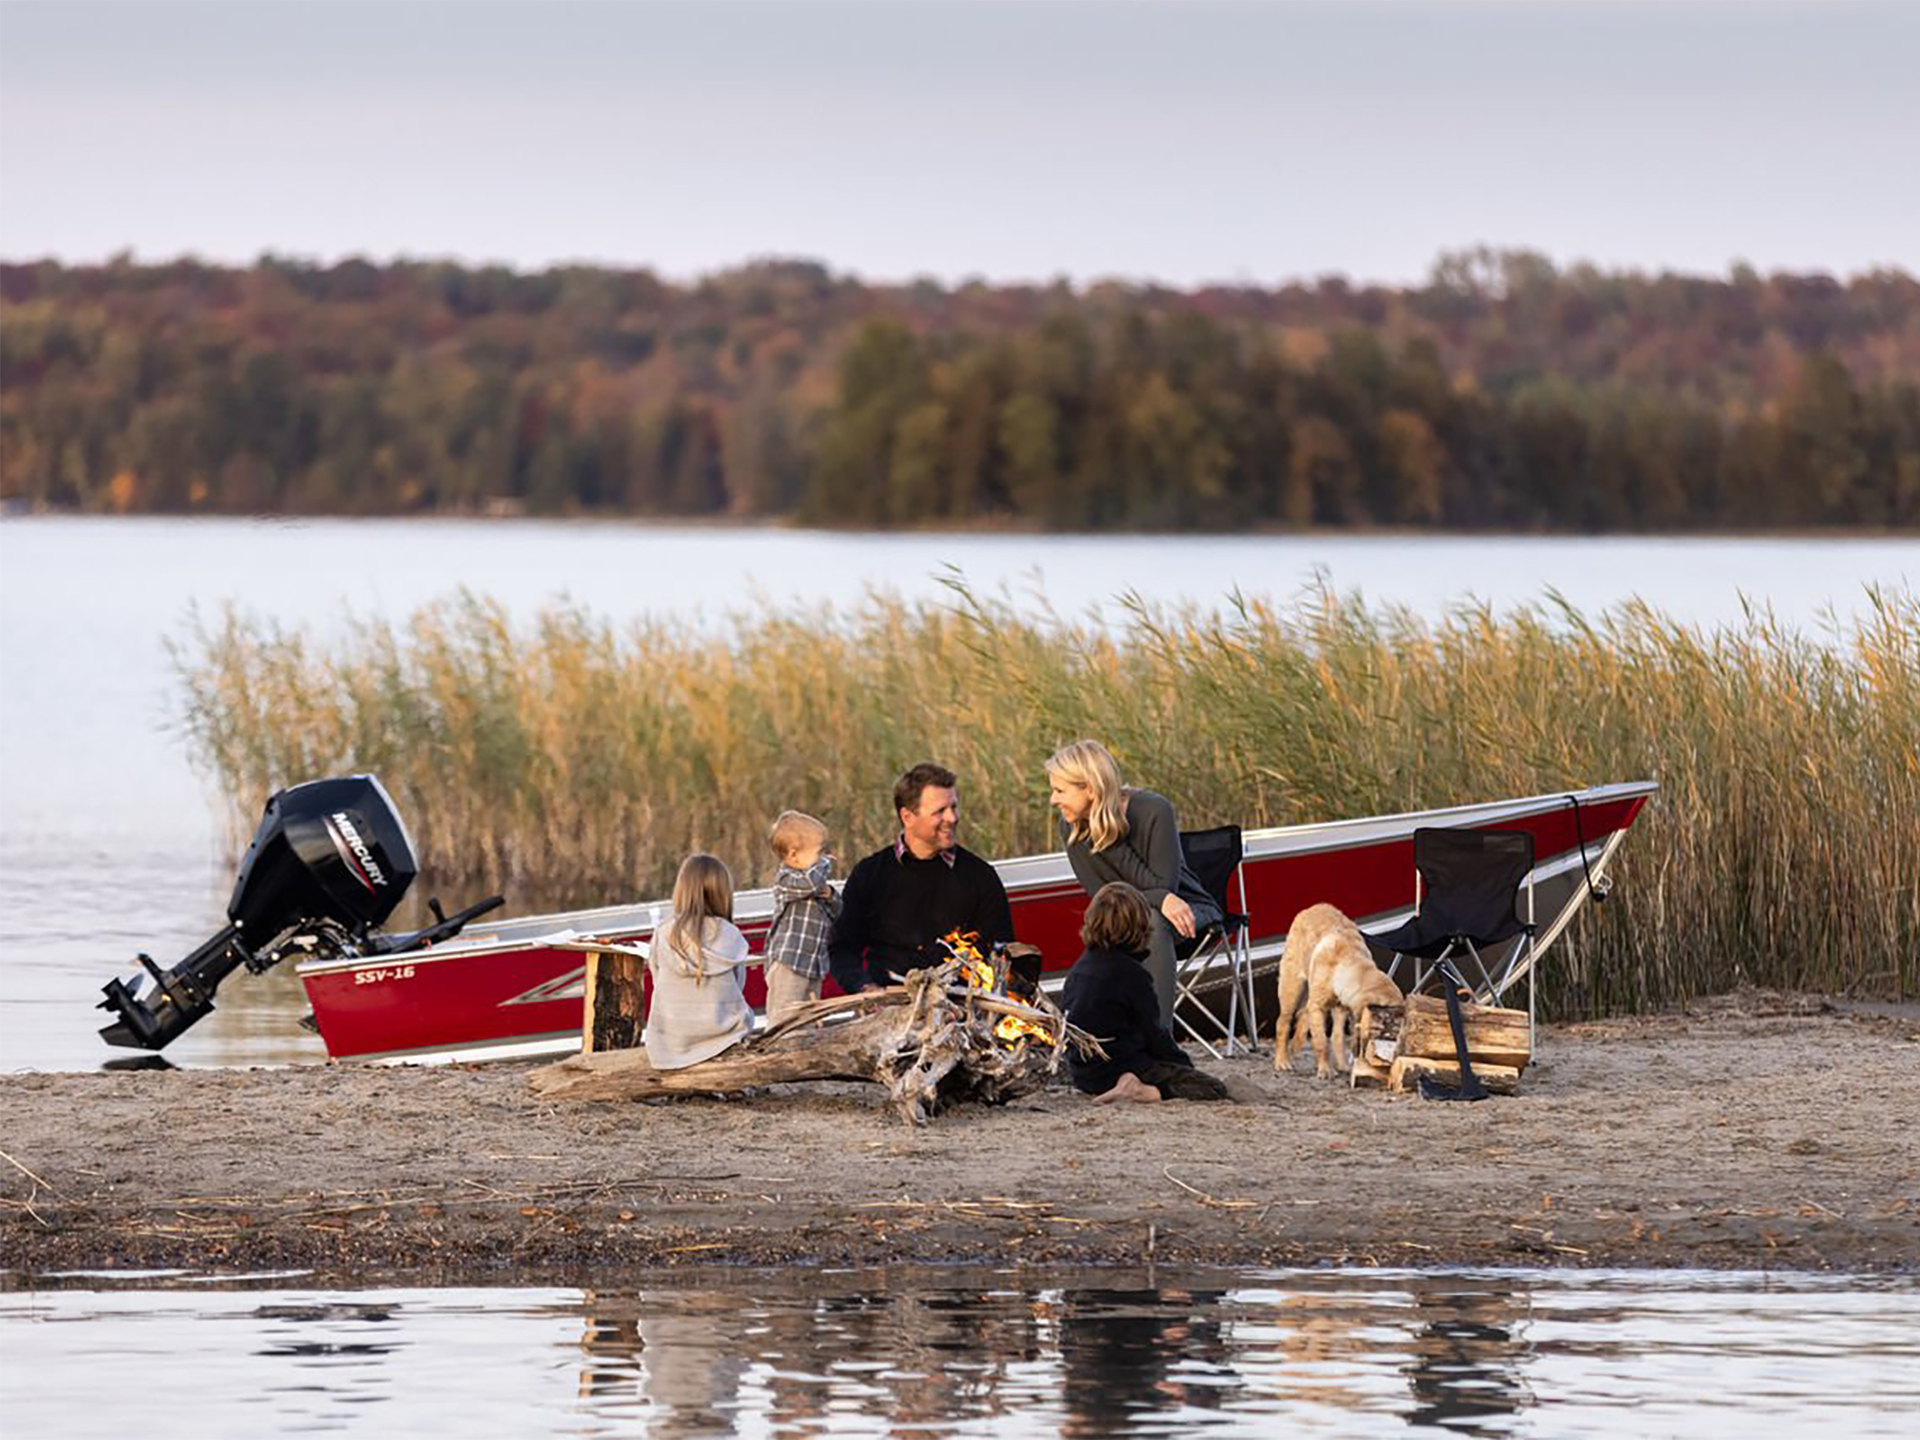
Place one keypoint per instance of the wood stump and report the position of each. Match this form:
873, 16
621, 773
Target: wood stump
614, 1016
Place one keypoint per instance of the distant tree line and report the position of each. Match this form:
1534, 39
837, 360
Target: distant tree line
1503, 393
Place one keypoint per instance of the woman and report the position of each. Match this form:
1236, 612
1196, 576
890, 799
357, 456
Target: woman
1108, 995
698, 961
1118, 832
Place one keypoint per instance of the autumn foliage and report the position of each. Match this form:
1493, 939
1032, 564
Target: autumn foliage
1503, 393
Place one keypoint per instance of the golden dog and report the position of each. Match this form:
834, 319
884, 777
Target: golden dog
1327, 976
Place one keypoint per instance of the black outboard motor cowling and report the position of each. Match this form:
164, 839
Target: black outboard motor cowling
330, 848
328, 863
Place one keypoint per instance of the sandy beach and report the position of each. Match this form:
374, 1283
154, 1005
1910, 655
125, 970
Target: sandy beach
1750, 1131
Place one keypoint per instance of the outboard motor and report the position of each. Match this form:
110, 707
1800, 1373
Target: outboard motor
327, 865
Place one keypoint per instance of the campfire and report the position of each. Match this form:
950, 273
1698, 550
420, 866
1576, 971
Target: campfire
994, 975
971, 1028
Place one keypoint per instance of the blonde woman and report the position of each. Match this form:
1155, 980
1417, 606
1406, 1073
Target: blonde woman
1121, 832
698, 961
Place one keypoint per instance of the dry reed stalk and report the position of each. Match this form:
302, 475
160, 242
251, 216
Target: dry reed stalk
573, 762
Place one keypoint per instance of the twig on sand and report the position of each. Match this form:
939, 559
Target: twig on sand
1205, 1198
27, 1205
39, 1184
50, 1189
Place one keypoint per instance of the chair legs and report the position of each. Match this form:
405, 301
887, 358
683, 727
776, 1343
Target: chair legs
1489, 990
1223, 1031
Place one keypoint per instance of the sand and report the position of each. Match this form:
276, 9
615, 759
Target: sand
1754, 1131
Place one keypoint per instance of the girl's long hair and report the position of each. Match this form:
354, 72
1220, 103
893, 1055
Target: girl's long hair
1090, 764
702, 893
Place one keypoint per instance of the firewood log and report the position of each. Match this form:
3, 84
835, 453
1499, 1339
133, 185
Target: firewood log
1494, 1036
1367, 1074
1407, 1070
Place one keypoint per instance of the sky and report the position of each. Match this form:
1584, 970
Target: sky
1184, 143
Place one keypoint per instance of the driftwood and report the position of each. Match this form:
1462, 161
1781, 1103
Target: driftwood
930, 1041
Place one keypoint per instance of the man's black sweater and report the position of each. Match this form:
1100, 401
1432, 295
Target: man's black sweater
895, 906
1110, 995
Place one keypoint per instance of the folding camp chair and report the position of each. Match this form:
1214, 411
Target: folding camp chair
1214, 858
1473, 893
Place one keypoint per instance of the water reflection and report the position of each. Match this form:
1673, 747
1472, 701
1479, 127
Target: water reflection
1127, 1355
1119, 1359
920, 1353
1469, 1354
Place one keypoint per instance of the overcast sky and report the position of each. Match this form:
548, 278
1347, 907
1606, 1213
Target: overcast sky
1177, 142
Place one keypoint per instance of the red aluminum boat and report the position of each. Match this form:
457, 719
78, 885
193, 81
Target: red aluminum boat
515, 988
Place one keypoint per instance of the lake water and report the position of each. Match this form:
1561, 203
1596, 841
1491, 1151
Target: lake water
1006, 1354
110, 843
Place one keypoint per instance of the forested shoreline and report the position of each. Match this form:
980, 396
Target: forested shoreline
1502, 394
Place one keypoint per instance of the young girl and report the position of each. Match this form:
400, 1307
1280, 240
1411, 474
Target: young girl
698, 963
1109, 995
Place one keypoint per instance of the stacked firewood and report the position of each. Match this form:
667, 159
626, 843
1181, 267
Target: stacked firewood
1396, 1044
934, 1041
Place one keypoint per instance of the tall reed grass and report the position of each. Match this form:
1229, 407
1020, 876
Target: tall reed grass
573, 762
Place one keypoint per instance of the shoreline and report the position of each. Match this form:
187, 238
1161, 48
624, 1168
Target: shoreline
990, 527
1754, 1131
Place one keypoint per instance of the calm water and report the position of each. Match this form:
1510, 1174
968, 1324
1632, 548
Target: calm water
109, 842
1240, 1353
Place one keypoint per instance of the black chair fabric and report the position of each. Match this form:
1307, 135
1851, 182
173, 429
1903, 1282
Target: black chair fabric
1213, 856
1470, 889
1212, 859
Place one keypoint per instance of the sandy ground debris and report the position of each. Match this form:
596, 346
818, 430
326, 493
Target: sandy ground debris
1748, 1132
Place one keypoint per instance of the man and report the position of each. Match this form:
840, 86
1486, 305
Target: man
906, 895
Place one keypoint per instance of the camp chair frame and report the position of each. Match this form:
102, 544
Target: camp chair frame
1226, 939
1455, 942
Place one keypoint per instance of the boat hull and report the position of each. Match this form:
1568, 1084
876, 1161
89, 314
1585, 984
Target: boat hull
517, 988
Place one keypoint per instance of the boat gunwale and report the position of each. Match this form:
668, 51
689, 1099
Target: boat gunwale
1272, 842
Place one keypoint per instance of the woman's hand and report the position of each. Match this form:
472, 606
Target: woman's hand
1179, 915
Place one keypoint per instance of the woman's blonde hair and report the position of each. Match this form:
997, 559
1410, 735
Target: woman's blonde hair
702, 892
1117, 918
1090, 765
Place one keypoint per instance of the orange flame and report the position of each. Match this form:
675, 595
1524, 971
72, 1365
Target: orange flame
1012, 1030
981, 974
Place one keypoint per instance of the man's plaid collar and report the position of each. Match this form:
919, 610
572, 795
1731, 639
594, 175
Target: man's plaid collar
900, 851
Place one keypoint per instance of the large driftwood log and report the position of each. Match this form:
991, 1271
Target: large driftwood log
931, 1042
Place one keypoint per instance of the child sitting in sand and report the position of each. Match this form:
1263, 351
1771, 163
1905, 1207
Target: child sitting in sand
698, 961
1110, 995
804, 908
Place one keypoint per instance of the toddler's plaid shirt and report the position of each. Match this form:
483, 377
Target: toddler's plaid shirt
802, 919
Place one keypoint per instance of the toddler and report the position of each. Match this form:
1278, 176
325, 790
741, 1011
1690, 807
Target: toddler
804, 907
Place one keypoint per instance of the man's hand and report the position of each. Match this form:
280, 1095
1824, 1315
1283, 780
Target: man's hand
1179, 915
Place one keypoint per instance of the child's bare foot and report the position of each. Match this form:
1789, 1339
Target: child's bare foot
1129, 1087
